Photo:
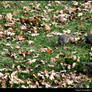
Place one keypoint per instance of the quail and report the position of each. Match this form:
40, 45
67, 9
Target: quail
88, 38
63, 39
88, 66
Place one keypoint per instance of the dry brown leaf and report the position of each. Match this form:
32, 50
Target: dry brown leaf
49, 51
34, 34
69, 67
31, 61
73, 65
63, 75
2, 35
9, 32
23, 27
26, 8
17, 47
78, 59
33, 7
19, 61
24, 53
47, 28
62, 19
30, 42
3, 83
55, 33
20, 37
1, 27
1, 75
1, 16
37, 83
35, 30
8, 24
27, 20
68, 31
3, 69
14, 78
69, 82
8, 17
80, 14
14, 13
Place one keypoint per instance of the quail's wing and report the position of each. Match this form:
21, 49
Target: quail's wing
89, 64
89, 38
61, 40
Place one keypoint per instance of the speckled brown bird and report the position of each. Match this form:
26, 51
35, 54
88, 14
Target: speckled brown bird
88, 66
88, 38
64, 38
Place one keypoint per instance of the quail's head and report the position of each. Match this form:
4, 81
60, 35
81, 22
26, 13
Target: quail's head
88, 38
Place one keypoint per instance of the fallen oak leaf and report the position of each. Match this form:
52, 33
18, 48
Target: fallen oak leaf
1, 16
1, 75
8, 24
14, 78
26, 8
2, 35
27, 20
49, 50
34, 30
30, 42
47, 28
23, 27
31, 61
21, 52
3, 83
20, 37
34, 34
1, 27
8, 17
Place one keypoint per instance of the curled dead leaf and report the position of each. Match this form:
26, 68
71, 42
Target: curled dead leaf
34, 34
30, 42
1, 27
8, 17
24, 53
35, 30
1, 75
2, 35
31, 60
49, 50
20, 37
69, 67
67, 31
23, 27
73, 65
17, 47
47, 28
69, 82
26, 8
1, 16
14, 78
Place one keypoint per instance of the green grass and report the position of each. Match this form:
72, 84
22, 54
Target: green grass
42, 41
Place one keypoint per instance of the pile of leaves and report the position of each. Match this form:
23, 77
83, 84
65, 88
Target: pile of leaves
28, 33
